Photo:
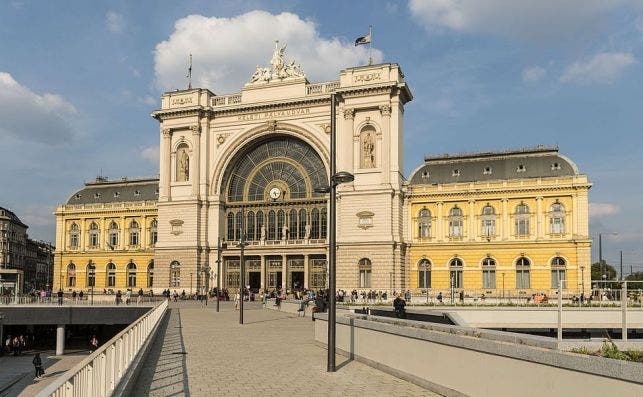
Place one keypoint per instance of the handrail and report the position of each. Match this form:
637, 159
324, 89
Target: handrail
100, 373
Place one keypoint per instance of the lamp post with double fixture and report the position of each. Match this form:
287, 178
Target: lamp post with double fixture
221, 245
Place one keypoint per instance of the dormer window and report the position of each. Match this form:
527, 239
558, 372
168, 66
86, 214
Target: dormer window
425, 175
96, 195
137, 193
456, 172
521, 168
116, 194
156, 192
78, 196
487, 171
555, 166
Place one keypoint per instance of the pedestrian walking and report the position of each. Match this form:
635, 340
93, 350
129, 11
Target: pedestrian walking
236, 301
37, 363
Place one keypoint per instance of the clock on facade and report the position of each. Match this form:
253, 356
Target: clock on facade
275, 193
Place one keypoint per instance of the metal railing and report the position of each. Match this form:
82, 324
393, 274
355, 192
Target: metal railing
100, 373
86, 300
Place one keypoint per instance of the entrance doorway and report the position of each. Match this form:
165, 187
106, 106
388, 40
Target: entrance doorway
254, 281
297, 280
274, 280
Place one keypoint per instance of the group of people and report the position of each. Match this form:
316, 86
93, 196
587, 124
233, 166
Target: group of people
128, 296
15, 345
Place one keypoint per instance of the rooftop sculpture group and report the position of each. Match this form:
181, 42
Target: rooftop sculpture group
279, 69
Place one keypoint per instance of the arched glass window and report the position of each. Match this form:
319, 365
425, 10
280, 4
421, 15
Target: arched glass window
182, 163
424, 224
150, 274
455, 222
250, 226
365, 270
230, 221
111, 275
113, 235
259, 223
324, 223
558, 272
488, 273
131, 275
73, 236
488, 221
93, 235
175, 274
314, 222
424, 274
522, 220
455, 270
133, 233
154, 234
522, 273
302, 223
292, 224
91, 274
71, 275
557, 219
281, 221
238, 225
272, 224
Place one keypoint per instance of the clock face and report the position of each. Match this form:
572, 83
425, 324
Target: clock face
275, 193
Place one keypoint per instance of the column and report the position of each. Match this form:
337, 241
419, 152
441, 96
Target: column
539, 217
472, 220
123, 241
284, 274
142, 238
263, 273
204, 143
440, 229
345, 159
306, 271
505, 218
166, 170
60, 339
385, 149
196, 159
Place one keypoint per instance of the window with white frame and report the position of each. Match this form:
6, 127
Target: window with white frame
456, 270
113, 235
365, 269
131, 275
111, 275
154, 234
488, 273
74, 233
558, 272
522, 220
557, 219
488, 221
455, 222
522, 273
424, 223
134, 233
424, 274
93, 235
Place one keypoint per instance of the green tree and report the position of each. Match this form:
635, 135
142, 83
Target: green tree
600, 268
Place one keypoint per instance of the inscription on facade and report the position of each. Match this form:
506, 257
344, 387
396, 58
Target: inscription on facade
366, 77
273, 114
181, 101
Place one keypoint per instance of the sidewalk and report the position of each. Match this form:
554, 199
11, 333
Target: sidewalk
203, 353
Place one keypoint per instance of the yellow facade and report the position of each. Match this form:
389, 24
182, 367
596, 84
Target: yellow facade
79, 248
552, 237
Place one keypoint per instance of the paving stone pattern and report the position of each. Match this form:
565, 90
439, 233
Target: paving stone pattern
272, 354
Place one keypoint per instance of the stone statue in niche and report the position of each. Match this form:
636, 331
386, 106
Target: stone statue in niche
308, 228
183, 165
368, 150
263, 232
284, 232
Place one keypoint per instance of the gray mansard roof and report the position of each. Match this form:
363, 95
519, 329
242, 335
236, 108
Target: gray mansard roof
535, 162
105, 191
8, 214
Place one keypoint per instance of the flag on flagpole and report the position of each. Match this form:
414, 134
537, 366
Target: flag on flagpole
363, 40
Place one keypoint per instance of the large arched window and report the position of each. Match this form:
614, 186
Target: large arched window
455, 222
424, 274
111, 275
175, 274
488, 221
488, 273
182, 163
522, 220
250, 226
455, 270
522, 273
74, 233
113, 235
91, 274
154, 234
150, 274
93, 235
424, 223
365, 269
557, 219
71, 275
230, 220
134, 233
131, 275
558, 272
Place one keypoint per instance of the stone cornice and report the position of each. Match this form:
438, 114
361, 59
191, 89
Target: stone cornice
483, 191
165, 114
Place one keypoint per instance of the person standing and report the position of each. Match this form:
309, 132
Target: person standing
398, 306
37, 363
60, 297
93, 343
236, 301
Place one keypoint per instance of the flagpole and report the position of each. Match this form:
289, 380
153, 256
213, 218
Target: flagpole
370, 34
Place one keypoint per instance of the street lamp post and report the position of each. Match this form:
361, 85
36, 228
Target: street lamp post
425, 265
242, 259
582, 280
336, 178
221, 245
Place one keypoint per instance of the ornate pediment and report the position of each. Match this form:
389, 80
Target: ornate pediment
278, 71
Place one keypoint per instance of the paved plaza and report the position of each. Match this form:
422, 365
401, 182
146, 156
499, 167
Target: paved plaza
199, 352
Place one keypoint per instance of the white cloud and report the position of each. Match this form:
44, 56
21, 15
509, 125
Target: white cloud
533, 20
115, 22
533, 73
226, 51
33, 215
599, 210
149, 100
27, 116
604, 67
151, 154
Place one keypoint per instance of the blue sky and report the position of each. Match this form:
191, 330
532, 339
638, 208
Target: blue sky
79, 79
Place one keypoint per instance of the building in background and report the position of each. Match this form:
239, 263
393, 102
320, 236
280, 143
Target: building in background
105, 236
513, 222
